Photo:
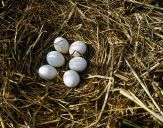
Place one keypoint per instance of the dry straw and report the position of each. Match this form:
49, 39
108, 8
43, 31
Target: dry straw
125, 51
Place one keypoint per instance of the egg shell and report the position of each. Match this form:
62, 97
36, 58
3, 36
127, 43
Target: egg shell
61, 45
78, 64
47, 72
55, 59
78, 48
71, 78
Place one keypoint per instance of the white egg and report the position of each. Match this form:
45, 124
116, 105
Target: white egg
47, 72
61, 45
71, 78
78, 48
78, 64
55, 59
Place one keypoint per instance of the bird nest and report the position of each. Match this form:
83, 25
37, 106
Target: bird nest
122, 86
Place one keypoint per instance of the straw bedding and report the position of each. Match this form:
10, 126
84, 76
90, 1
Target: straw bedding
122, 86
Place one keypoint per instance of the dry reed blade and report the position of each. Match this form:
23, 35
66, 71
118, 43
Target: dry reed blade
143, 4
132, 97
143, 86
2, 122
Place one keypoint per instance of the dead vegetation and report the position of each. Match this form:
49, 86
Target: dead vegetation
123, 85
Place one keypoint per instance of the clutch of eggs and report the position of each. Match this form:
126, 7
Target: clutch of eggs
78, 64
47, 72
61, 45
55, 59
78, 48
71, 78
